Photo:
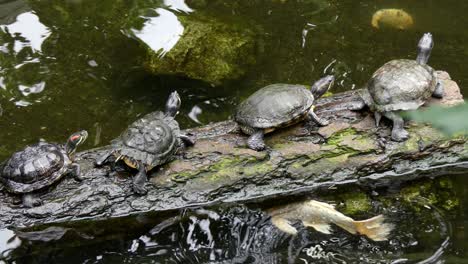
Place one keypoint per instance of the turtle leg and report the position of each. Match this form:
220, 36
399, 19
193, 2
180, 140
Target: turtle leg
100, 161
398, 131
75, 171
439, 90
187, 140
30, 200
378, 117
255, 140
320, 121
140, 179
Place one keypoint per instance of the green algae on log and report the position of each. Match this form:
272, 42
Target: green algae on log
221, 169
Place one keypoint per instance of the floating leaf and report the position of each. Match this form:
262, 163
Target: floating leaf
449, 120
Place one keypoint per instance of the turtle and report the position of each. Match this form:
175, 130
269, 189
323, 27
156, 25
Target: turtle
40, 165
149, 142
401, 85
279, 105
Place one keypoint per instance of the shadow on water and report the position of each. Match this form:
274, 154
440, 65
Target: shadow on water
426, 231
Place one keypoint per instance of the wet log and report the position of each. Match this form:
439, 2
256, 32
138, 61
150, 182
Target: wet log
221, 169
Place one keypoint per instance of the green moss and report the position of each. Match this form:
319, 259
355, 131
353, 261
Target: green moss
327, 94
231, 167
438, 192
209, 50
355, 203
351, 203
464, 154
305, 168
413, 191
339, 159
445, 183
260, 168
184, 176
336, 138
420, 135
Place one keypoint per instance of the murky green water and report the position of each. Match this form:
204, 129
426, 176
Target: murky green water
70, 65
427, 230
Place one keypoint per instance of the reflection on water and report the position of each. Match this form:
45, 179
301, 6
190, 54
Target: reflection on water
161, 32
194, 113
423, 233
35, 88
71, 64
8, 242
178, 5
28, 32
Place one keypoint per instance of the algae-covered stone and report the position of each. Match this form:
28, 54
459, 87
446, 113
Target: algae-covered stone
438, 192
208, 49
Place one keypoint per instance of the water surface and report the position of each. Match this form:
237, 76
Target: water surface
77, 64
70, 65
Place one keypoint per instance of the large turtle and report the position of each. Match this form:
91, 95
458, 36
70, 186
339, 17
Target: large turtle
401, 85
279, 105
149, 142
39, 166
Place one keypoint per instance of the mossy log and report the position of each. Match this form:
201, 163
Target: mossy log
221, 169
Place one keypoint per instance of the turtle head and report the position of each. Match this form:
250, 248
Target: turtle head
75, 140
425, 46
173, 104
321, 86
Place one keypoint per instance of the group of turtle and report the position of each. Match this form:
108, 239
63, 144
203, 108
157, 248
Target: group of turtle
154, 139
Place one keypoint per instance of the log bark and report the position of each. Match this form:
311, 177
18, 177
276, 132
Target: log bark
221, 169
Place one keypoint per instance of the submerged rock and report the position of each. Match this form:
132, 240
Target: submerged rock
393, 18
202, 48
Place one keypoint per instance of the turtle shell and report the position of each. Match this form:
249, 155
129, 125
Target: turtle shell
35, 167
153, 140
275, 105
400, 85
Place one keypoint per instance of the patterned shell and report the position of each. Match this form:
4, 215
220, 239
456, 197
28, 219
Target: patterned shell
274, 106
35, 167
153, 139
400, 85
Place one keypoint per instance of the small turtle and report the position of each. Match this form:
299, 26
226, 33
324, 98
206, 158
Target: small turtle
39, 166
279, 105
149, 142
401, 85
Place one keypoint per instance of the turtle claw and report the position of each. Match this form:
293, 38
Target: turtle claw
256, 145
323, 122
76, 171
255, 141
439, 90
399, 135
139, 189
398, 131
188, 139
